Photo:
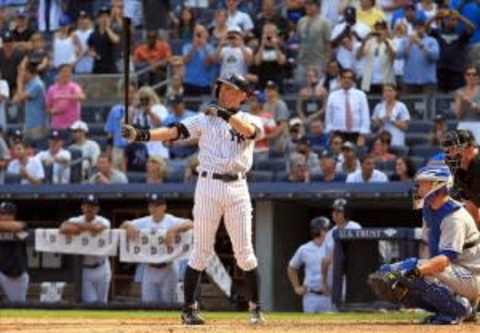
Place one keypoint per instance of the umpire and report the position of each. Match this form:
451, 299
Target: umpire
463, 159
14, 278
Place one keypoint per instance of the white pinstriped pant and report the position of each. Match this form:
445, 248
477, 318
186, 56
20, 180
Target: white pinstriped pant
214, 199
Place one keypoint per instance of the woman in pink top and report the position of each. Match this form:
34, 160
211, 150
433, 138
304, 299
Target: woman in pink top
64, 99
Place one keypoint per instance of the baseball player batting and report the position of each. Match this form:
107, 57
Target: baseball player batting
446, 283
226, 142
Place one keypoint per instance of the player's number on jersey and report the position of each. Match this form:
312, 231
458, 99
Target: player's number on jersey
236, 137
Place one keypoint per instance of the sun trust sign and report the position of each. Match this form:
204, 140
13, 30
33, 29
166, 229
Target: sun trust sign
366, 233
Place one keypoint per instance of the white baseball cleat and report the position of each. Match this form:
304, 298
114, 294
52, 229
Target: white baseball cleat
256, 317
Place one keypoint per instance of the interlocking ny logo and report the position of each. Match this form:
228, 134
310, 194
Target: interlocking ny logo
390, 232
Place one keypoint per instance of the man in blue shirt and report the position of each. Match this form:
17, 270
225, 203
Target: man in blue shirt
180, 148
31, 91
199, 68
471, 10
421, 53
113, 127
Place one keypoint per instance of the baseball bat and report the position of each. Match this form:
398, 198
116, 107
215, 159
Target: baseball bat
127, 23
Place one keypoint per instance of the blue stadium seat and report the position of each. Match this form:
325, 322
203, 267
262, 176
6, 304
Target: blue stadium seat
95, 129
400, 151
420, 126
256, 176
387, 166
11, 179
418, 161
273, 164
175, 176
276, 154
416, 139
281, 176
426, 152
136, 177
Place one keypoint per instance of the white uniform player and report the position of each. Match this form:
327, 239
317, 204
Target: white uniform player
96, 273
310, 256
226, 142
159, 281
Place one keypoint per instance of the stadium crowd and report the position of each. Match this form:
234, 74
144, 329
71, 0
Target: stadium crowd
333, 56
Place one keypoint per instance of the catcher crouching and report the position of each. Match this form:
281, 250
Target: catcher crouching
446, 284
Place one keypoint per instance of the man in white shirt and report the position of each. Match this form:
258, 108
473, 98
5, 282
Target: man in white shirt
235, 57
367, 173
89, 148
4, 96
106, 174
341, 213
310, 256
96, 273
30, 169
236, 18
159, 281
56, 158
347, 112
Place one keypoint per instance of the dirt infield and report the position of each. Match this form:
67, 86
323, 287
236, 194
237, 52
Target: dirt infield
9, 323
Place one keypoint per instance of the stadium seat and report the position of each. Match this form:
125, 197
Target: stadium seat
136, 177
386, 166
281, 176
420, 126
273, 164
175, 176
95, 129
426, 152
400, 151
11, 179
256, 176
276, 154
415, 139
418, 161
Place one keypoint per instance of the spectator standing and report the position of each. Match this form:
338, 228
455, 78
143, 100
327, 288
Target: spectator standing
154, 52
22, 32
106, 174
56, 158
10, 59
219, 27
377, 54
4, 98
392, 115
66, 45
311, 98
349, 162
256, 102
84, 29
198, 57
314, 33
156, 170
309, 255
467, 103
276, 106
429, 7
31, 92
185, 147
399, 34
404, 170
14, 278
38, 54
237, 18
185, 25
156, 14
367, 173
347, 111
453, 48
4, 157
369, 14
64, 99
332, 77
270, 59
49, 14
270, 14
408, 15
30, 169
234, 57
421, 53
471, 10
328, 169
113, 127
102, 44
89, 148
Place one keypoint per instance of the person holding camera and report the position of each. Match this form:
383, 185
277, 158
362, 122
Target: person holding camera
270, 58
453, 47
234, 57
377, 54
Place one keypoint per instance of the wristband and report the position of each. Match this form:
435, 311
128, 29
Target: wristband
142, 135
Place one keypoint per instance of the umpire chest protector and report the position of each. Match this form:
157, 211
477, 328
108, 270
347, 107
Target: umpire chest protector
433, 220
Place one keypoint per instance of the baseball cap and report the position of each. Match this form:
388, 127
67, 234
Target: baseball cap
64, 21
82, 14
8, 208
21, 13
260, 96
55, 135
7, 37
327, 154
156, 198
175, 99
271, 85
90, 199
439, 118
419, 20
17, 135
350, 11
103, 10
339, 204
349, 145
295, 122
79, 125
234, 30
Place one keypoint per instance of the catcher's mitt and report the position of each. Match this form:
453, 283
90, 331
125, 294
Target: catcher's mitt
388, 286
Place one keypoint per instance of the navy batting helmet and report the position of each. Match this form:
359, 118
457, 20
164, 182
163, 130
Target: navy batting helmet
8, 208
236, 81
453, 144
318, 225
341, 205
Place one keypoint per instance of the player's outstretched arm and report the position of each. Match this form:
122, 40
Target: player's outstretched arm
11, 226
132, 134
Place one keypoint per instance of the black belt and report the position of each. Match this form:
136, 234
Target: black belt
94, 265
224, 177
471, 244
159, 266
316, 292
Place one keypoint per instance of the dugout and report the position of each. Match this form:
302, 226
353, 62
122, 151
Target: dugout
281, 224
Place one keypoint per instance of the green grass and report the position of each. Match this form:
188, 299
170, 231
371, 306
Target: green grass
89, 314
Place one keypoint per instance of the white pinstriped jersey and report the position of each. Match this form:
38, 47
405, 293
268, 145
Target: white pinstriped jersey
221, 149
